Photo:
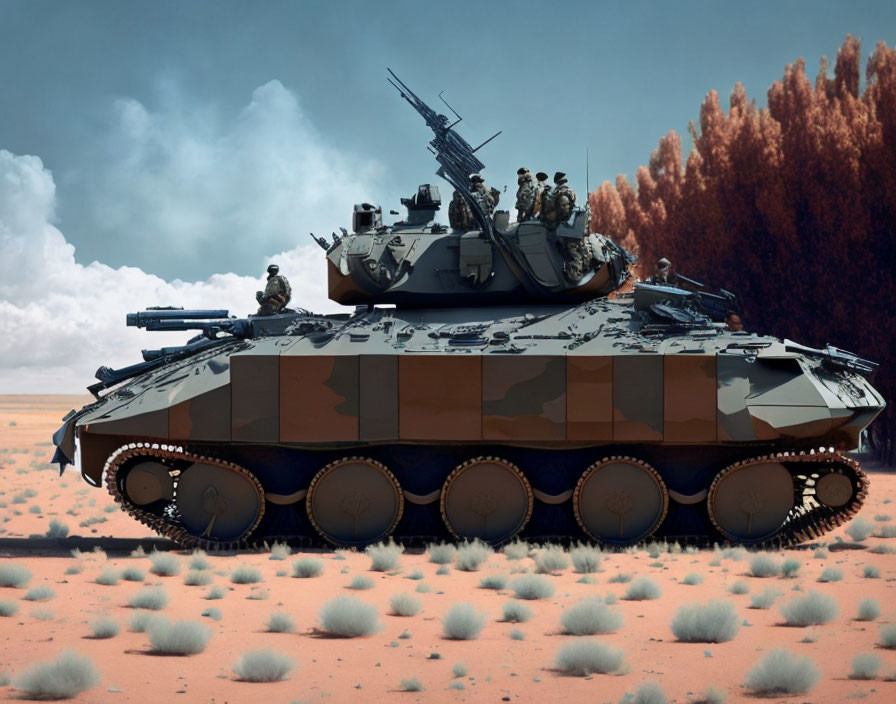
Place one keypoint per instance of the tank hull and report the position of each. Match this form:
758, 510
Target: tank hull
566, 422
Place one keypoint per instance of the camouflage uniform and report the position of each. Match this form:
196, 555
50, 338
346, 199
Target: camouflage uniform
577, 258
459, 216
482, 195
564, 199
542, 195
276, 295
525, 195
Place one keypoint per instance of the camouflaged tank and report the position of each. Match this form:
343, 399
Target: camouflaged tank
495, 398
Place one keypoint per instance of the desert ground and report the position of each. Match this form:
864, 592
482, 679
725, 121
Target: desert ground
77, 580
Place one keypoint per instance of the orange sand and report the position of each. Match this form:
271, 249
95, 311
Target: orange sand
347, 670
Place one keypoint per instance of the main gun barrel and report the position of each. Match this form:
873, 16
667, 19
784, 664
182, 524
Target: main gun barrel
147, 318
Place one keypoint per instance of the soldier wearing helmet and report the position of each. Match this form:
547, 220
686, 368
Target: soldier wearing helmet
482, 195
276, 293
564, 197
459, 216
542, 191
525, 195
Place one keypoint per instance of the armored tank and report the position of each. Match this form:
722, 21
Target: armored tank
481, 387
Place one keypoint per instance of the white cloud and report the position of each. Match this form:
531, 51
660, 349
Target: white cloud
178, 188
60, 320
184, 187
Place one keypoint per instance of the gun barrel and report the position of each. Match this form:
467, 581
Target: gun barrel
145, 318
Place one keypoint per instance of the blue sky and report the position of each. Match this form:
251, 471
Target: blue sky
162, 153
609, 77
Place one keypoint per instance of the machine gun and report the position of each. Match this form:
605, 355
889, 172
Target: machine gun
455, 155
210, 322
833, 357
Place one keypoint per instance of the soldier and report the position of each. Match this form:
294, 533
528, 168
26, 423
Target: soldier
525, 195
564, 199
733, 323
481, 194
276, 293
664, 275
542, 190
459, 216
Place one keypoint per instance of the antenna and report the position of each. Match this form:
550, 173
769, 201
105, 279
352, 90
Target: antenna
449, 107
587, 176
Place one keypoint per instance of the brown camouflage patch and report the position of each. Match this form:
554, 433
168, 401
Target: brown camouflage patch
318, 398
342, 288
638, 398
523, 398
689, 398
589, 398
440, 397
255, 397
94, 450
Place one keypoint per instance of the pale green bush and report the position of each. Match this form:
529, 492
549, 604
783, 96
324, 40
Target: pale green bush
463, 622
348, 617
713, 622
589, 617
471, 555
515, 612
532, 586
178, 637
641, 589
307, 567
263, 666
62, 678
164, 564
865, 666
781, 672
384, 557
404, 604
585, 656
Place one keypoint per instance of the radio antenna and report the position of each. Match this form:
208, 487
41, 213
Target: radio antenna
587, 176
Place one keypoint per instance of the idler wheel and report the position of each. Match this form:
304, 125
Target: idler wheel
620, 500
218, 503
486, 498
354, 501
834, 490
147, 482
750, 503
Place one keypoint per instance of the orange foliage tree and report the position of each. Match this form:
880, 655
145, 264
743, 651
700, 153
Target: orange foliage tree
792, 206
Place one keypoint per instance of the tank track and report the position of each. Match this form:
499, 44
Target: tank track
806, 521
169, 527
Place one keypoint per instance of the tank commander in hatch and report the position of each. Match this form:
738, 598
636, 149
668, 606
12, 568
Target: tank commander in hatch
525, 195
542, 190
664, 276
276, 293
733, 323
482, 195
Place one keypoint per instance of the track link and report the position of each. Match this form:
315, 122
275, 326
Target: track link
808, 519
169, 525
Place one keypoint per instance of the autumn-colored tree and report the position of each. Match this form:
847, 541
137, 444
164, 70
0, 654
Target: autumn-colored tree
792, 206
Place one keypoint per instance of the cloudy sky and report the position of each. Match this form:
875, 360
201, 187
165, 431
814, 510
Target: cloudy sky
161, 153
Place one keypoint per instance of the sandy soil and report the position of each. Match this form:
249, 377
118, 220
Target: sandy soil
499, 668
